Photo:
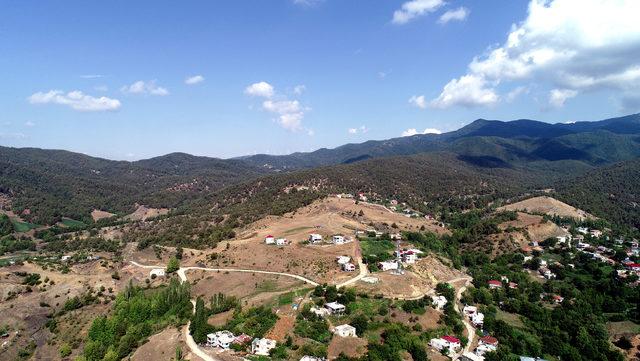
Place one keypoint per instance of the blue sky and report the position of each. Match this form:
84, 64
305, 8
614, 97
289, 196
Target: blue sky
110, 78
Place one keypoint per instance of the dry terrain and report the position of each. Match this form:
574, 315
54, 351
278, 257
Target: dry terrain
142, 213
547, 205
97, 215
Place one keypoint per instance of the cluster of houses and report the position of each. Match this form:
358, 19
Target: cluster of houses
335, 308
449, 344
485, 344
476, 317
224, 340
336, 239
408, 256
271, 240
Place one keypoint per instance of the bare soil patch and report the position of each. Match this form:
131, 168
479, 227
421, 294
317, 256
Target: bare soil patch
547, 205
98, 214
142, 213
350, 346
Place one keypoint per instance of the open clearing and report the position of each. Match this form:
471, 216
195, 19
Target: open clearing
97, 215
547, 205
327, 217
142, 213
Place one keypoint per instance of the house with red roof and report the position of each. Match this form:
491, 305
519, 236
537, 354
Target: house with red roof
269, 240
445, 342
494, 284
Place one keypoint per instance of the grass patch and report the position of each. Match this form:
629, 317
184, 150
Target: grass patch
68, 222
511, 319
372, 246
622, 328
23, 226
289, 297
267, 286
368, 306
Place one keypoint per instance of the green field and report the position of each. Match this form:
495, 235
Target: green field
23, 226
68, 222
372, 246
289, 297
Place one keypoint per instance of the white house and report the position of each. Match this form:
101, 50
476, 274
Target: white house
65, 258
477, 319
445, 342
222, 339
322, 312
438, 302
315, 238
335, 308
269, 239
338, 239
468, 356
388, 265
262, 346
583, 230
343, 259
596, 233
348, 267
345, 331
469, 310
281, 242
486, 344
312, 358
566, 239
157, 272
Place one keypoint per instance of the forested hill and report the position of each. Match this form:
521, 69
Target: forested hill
54, 183
612, 192
595, 143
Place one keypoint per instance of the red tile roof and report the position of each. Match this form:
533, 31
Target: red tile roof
450, 339
489, 340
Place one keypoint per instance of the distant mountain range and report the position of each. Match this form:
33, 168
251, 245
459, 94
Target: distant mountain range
486, 158
492, 142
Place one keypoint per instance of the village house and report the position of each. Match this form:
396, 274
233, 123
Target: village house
407, 256
388, 265
312, 358
343, 259
395, 236
362, 197
596, 233
65, 258
583, 230
315, 238
348, 267
494, 284
281, 242
335, 308
157, 272
546, 273
557, 299
222, 339
469, 310
468, 356
513, 285
445, 342
262, 346
477, 319
566, 239
345, 331
338, 239
269, 239
486, 344
322, 312
242, 339
438, 302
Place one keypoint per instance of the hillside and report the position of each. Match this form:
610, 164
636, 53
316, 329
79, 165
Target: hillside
612, 193
53, 183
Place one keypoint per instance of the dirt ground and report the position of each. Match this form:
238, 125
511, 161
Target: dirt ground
350, 346
418, 279
251, 289
547, 205
97, 215
327, 217
142, 213
162, 346
26, 312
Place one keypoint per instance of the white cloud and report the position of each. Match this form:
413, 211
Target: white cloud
261, 89
412, 131
192, 80
557, 97
76, 100
299, 89
12, 136
29, 124
516, 92
142, 87
92, 76
361, 129
584, 45
290, 113
418, 101
469, 91
458, 14
415, 8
